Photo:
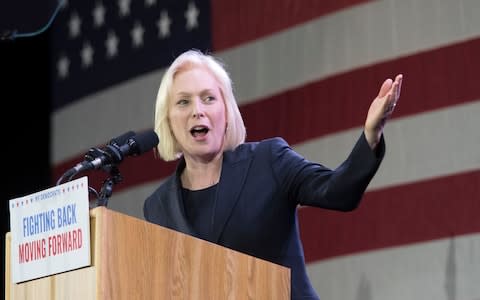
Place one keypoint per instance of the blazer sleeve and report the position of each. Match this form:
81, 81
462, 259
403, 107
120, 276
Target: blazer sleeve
313, 184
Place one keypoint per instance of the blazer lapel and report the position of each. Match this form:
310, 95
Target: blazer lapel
174, 208
231, 183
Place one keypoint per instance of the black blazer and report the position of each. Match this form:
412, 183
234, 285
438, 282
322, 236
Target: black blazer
260, 187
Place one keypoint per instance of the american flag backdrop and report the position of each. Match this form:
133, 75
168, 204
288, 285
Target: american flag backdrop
307, 71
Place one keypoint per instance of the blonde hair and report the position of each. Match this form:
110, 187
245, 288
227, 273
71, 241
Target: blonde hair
235, 131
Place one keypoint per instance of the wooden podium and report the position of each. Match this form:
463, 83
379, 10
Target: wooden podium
134, 259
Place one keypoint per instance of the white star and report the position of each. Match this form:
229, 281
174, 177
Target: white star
112, 45
124, 6
62, 67
87, 55
137, 35
74, 25
192, 16
98, 15
163, 24
149, 3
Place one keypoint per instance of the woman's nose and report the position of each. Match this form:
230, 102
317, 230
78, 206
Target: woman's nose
197, 109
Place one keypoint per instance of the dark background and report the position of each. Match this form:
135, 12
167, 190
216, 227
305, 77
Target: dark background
25, 106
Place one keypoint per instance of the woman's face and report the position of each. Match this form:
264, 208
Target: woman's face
197, 113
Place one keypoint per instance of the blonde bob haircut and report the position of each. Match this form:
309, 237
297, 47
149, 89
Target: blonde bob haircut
235, 131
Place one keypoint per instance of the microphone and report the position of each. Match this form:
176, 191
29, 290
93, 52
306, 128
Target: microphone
96, 158
121, 147
127, 144
121, 139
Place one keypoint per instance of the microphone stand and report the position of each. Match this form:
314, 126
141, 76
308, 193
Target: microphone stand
107, 186
108, 158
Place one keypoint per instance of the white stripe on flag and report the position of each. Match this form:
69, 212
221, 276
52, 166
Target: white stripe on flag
442, 270
418, 147
359, 36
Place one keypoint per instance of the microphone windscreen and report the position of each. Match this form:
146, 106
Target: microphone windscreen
145, 141
121, 139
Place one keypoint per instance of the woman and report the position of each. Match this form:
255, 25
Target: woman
241, 195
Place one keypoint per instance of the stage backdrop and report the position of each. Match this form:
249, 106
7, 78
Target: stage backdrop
307, 71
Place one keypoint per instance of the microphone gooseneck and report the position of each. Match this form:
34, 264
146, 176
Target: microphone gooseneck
127, 144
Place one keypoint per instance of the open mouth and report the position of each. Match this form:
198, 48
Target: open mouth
199, 131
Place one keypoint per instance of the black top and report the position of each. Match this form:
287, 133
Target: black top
199, 206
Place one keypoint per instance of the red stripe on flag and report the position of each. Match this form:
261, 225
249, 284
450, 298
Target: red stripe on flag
236, 22
417, 212
432, 80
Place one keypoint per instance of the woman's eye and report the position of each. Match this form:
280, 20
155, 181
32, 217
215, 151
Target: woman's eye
209, 98
182, 102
